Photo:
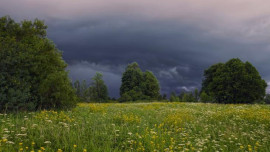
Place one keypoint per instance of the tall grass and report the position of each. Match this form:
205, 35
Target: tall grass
139, 127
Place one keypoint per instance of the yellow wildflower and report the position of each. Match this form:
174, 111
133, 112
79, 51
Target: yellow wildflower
257, 143
59, 150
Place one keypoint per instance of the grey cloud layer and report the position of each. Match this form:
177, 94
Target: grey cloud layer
85, 71
176, 39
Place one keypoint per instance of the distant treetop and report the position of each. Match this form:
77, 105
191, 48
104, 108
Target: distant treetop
234, 82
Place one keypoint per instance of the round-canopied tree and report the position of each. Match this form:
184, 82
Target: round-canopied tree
131, 87
32, 71
234, 82
138, 85
150, 85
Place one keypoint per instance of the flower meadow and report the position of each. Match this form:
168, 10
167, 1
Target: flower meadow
149, 127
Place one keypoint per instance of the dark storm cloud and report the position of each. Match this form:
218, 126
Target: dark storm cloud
164, 48
176, 40
176, 52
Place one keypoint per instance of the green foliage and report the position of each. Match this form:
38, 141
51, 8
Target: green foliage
32, 71
181, 95
205, 98
174, 98
209, 75
97, 91
196, 95
132, 95
84, 91
234, 82
138, 85
132, 79
57, 92
188, 97
191, 96
77, 86
164, 96
150, 85
159, 98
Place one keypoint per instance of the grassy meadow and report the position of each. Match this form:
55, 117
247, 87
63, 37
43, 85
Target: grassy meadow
139, 127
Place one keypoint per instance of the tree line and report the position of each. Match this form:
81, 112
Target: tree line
230, 82
136, 85
96, 91
33, 76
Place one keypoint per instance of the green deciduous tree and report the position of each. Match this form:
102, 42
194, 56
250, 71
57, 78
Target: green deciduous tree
196, 95
205, 98
77, 86
150, 85
132, 79
174, 97
138, 85
188, 97
164, 96
234, 82
32, 71
99, 89
84, 94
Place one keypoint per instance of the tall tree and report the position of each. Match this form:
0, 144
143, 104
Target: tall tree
131, 87
174, 97
205, 98
188, 97
234, 82
138, 85
181, 95
150, 85
84, 94
77, 86
32, 71
164, 96
209, 75
196, 95
99, 89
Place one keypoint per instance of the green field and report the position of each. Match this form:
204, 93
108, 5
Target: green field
139, 127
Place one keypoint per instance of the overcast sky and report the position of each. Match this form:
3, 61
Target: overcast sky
176, 39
